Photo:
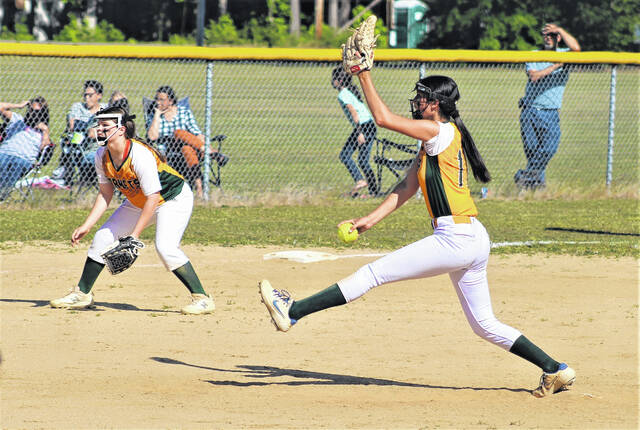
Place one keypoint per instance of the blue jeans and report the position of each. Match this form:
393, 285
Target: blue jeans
12, 168
540, 131
369, 130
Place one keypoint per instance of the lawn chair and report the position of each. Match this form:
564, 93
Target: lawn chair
392, 156
32, 177
175, 158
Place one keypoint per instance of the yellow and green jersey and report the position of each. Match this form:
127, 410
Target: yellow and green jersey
141, 174
442, 175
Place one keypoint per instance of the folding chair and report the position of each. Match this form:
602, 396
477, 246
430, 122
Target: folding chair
214, 167
173, 154
25, 185
387, 158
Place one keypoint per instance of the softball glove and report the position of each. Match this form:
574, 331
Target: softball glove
121, 254
357, 52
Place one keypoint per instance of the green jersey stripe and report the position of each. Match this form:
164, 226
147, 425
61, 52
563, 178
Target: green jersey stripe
435, 188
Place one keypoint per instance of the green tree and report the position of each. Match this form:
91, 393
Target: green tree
381, 30
511, 24
79, 30
484, 24
222, 32
21, 34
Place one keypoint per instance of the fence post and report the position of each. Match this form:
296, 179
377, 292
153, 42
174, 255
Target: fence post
207, 128
612, 122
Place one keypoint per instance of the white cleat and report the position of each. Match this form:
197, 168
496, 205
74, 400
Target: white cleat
551, 383
278, 302
76, 299
201, 304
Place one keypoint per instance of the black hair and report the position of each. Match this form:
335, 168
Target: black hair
33, 117
122, 103
169, 92
445, 91
96, 85
130, 126
344, 79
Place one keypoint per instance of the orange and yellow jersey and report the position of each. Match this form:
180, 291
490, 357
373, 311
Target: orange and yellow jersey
141, 174
442, 174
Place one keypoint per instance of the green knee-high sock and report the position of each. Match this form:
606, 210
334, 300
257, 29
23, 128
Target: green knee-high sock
89, 275
326, 298
524, 348
188, 276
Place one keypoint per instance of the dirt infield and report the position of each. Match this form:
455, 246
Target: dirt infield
401, 357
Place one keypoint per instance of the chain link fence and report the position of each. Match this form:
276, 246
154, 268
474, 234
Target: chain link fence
279, 128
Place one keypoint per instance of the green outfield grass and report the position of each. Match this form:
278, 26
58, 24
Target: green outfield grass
285, 128
606, 227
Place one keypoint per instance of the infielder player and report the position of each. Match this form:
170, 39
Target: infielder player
459, 245
154, 193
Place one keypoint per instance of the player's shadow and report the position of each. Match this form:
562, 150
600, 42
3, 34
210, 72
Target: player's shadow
261, 375
579, 230
97, 306
36, 303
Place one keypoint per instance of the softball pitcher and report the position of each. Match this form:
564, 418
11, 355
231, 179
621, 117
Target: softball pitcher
154, 193
459, 245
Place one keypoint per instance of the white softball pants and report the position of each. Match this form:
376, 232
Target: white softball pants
171, 219
462, 251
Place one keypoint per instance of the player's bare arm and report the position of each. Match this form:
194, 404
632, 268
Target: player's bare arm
384, 117
400, 194
148, 210
101, 204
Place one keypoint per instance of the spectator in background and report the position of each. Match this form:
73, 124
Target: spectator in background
540, 117
174, 127
79, 141
361, 138
24, 138
118, 99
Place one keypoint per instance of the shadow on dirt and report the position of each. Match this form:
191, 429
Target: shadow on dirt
263, 375
97, 306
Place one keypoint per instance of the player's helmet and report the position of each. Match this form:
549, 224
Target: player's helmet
432, 88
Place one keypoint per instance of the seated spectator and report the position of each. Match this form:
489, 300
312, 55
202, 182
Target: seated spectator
78, 143
24, 138
174, 126
120, 100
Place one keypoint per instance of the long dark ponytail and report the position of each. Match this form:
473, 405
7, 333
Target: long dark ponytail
130, 127
445, 90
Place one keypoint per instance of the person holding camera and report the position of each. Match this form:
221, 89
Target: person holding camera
540, 108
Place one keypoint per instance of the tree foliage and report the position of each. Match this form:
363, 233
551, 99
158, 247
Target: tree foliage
79, 30
511, 24
273, 30
598, 25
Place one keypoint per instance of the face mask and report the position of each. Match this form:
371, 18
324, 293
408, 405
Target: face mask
116, 117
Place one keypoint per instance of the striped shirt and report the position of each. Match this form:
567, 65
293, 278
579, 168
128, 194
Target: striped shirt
184, 120
443, 174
